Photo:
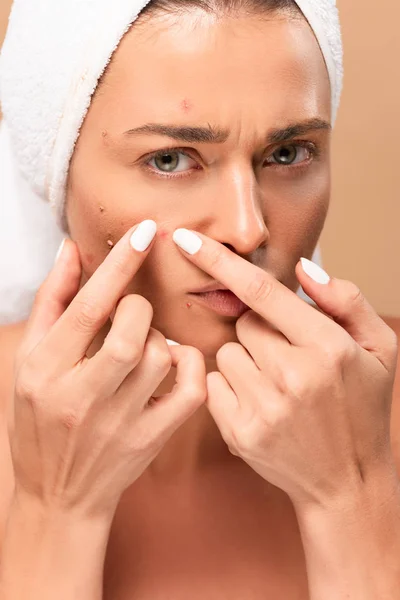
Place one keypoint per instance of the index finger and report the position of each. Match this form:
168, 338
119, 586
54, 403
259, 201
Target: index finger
299, 322
93, 304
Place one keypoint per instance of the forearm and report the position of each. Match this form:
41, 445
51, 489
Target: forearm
353, 552
47, 555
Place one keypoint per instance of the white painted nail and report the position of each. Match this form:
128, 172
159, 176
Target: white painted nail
142, 237
187, 240
59, 251
315, 271
172, 343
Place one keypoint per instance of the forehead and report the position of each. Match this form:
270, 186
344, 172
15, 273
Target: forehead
250, 65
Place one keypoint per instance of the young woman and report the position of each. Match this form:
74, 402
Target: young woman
266, 471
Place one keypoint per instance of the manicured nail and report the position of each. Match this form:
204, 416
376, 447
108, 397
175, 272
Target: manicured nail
314, 271
143, 236
59, 251
172, 343
187, 240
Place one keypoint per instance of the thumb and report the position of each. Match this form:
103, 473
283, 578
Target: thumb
53, 297
344, 302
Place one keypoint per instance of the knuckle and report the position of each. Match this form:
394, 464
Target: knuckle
349, 351
27, 390
30, 384
122, 352
216, 258
245, 438
353, 293
88, 315
336, 353
294, 383
259, 289
159, 357
197, 392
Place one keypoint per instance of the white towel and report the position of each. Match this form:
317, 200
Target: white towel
53, 56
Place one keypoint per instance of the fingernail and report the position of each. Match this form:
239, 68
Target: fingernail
143, 236
59, 251
314, 271
172, 343
187, 240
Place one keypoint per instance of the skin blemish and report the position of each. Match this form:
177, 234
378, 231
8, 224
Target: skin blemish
105, 136
188, 304
101, 209
110, 244
162, 234
186, 105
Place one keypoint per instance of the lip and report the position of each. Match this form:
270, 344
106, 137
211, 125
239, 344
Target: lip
211, 287
224, 302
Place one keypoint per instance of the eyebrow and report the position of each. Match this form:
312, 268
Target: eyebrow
216, 135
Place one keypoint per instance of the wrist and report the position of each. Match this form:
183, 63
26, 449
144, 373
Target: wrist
48, 552
370, 495
352, 545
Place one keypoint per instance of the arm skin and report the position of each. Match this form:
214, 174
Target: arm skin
352, 550
48, 554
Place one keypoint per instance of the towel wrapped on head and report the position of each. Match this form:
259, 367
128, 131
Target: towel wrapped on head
52, 59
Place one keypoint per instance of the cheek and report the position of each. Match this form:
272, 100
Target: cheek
93, 225
297, 214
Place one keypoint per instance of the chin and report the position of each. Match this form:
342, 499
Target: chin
208, 338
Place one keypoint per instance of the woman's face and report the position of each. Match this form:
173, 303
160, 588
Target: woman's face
263, 196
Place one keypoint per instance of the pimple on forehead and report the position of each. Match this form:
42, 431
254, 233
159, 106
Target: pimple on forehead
186, 105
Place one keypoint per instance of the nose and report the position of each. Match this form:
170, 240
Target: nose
238, 220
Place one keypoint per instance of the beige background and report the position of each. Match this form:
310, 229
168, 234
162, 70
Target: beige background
360, 241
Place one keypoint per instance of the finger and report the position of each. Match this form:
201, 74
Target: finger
222, 403
264, 344
285, 310
239, 371
54, 296
123, 347
346, 304
92, 306
170, 411
145, 378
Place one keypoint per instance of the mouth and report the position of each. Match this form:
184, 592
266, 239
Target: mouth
222, 301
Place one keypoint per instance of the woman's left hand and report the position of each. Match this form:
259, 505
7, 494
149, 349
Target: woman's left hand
305, 398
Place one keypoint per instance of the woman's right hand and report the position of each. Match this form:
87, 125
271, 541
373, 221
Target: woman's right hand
84, 429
